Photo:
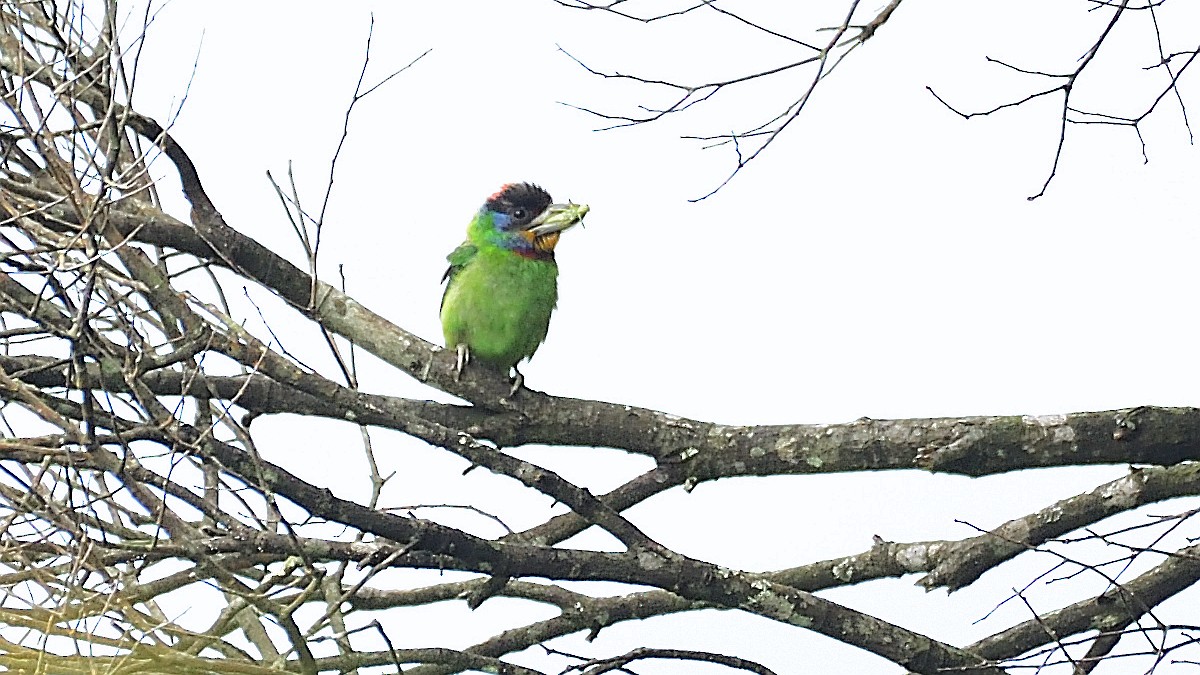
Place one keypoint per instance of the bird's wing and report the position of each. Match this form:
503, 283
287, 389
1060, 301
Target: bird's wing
459, 258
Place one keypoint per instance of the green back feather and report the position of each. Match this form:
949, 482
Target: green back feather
458, 258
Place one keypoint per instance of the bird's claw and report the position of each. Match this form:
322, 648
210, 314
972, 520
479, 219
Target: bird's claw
518, 381
463, 357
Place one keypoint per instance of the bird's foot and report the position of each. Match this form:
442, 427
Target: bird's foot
464, 357
517, 383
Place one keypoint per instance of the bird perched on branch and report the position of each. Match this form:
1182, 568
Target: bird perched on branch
503, 281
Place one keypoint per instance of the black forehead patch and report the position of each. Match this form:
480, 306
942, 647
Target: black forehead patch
520, 195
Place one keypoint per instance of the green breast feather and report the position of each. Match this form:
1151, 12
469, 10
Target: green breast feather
498, 303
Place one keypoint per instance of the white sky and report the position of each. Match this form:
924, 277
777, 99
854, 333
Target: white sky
879, 260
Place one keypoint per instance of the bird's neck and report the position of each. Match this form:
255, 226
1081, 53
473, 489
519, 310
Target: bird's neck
483, 233
531, 253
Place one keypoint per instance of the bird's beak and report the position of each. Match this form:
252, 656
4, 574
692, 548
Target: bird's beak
556, 218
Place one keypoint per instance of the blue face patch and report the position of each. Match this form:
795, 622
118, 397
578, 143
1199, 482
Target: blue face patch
504, 231
501, 220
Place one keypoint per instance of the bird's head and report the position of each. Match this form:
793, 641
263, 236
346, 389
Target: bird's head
522, 217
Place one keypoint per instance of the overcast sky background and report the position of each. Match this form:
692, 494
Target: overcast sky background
879, 260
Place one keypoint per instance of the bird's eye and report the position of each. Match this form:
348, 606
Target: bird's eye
519, 214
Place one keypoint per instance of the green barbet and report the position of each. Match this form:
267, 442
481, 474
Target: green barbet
503, 281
